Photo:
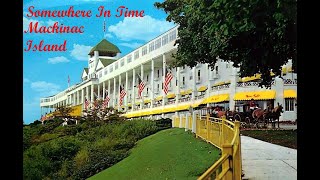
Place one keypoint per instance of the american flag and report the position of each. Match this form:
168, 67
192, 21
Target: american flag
106, 100
86, 103
168, 77
141, 86
122, 94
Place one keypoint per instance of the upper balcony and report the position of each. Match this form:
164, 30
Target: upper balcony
154, 48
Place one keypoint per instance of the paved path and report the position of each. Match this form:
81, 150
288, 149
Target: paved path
262, 160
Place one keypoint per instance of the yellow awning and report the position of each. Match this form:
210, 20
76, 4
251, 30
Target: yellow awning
76, 110
157, 111
290, 93
202, 88
272, 73
137, 103
196, 104
250, 78
256, 95
169, 109
216, 99
185, 92
221, 83
158, 98
49, 115
284, 70
182, 107
170, 96
147, 101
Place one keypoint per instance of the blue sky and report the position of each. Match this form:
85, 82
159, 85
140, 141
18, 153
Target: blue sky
46, 73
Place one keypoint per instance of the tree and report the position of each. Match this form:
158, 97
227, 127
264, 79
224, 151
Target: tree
63, 111
256, 35
100, 113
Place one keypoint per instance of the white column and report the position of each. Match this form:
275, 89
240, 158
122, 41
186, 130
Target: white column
109, 92
279, 87
119, 92
178, 85
114, 92
233, 87
98, 91
87, 93
103, 90
92, 96
126, 88
194, 122
194, 87
74, 99
78, 98
187, 122
82, 98
133, 93
141, 74
207, 75
152, 82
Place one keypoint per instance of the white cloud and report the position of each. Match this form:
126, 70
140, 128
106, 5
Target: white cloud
26, 80
58, 59
27, 21
80, 52
50, 22
131, 45
108, 35
45, 88
144, 28
40, 4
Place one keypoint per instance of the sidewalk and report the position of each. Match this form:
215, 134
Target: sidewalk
262, 160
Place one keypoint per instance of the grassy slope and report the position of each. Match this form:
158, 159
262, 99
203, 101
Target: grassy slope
168, 154
287, 138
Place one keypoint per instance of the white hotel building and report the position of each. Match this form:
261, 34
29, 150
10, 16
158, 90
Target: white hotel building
191, 87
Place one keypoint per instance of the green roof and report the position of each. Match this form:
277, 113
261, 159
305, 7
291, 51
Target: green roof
105, 46
86, 69
106, 62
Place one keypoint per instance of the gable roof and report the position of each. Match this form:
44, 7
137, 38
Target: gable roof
85, 72
106, 62
105, 46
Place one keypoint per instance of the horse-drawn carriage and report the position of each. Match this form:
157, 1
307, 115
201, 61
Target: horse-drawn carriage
249, 118
257, 117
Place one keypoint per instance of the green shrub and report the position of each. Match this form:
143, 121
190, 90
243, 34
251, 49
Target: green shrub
80, 151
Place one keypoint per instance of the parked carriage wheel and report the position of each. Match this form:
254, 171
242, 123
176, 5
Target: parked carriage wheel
247, 121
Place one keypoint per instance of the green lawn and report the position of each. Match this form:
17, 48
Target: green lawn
168, 154
287, 138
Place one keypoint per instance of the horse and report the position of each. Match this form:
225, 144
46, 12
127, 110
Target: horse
275, 114
269, 114
259, 115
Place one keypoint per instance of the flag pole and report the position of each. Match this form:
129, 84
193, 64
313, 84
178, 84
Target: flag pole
68, 81
104, 28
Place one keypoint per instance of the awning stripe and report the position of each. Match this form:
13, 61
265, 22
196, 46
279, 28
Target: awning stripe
289, 93
202, 88
216, 99
256, 95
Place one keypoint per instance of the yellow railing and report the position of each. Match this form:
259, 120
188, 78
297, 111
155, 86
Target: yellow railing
190, 123
176, 121
183, 122
225, 135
